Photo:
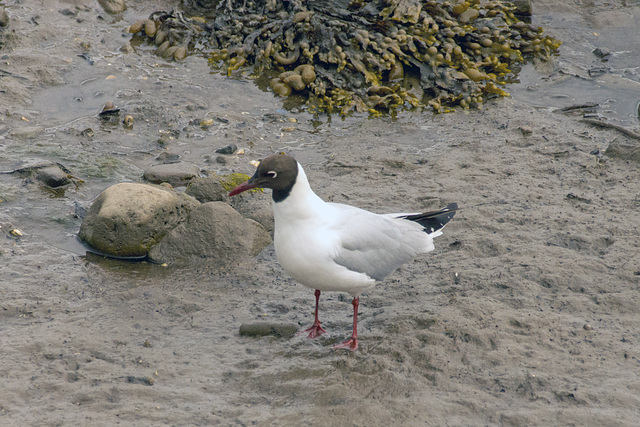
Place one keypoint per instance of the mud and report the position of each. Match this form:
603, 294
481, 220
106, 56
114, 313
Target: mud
526, 313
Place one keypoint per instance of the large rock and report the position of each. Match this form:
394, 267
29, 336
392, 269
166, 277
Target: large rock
127, 219
214, 234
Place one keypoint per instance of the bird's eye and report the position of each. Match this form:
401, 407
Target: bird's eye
272, 174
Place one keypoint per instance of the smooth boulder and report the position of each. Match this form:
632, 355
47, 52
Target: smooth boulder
127, 219
214, 234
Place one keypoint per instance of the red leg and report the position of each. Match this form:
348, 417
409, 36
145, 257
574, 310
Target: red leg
315, 330
352, 343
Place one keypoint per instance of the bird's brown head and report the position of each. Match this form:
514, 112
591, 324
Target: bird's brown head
278, 172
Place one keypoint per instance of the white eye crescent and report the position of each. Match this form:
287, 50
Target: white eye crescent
272, 174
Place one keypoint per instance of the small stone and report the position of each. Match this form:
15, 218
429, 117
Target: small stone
140, 380
52, 176
601, 52
597, 71
229, 149
263, 329
67, 12
164, 140
526, 130
88, 132
127, 48
113, 6
176, 174
522, 7
4, 18
167, 157
587, 327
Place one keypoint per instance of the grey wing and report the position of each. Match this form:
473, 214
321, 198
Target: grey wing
372, 244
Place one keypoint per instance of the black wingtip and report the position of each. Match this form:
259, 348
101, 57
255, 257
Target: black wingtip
433, 221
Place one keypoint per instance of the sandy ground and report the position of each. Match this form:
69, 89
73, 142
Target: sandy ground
526, 313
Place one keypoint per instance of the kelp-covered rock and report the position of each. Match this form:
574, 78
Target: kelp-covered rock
376, 55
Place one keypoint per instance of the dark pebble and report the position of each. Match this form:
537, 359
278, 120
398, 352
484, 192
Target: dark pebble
229, 149
167, 157
601, 52
52, 176
263, 329
139, 380
4, 17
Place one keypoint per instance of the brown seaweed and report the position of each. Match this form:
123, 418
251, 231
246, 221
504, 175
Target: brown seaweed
377, 56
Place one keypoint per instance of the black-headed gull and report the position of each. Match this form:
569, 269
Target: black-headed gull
336, 247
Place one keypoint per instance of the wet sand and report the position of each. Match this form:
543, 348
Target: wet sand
525, 314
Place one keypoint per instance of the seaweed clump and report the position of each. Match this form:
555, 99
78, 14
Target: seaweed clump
362, 55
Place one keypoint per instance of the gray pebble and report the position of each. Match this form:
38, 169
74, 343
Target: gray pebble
4, 17
601, 52
113, 6
52, 176
229, 149
262, 329
176, 174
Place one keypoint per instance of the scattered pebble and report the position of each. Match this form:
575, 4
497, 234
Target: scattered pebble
167, 157
229, 149
601, 52
113, 6
262, 329
526, 130
4, 18
176, 174
53, 176
587, 327
140, 380
87, 132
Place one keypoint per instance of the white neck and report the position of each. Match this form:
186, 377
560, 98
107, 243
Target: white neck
301, 203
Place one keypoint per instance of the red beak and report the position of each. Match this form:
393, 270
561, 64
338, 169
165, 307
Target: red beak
242, 187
